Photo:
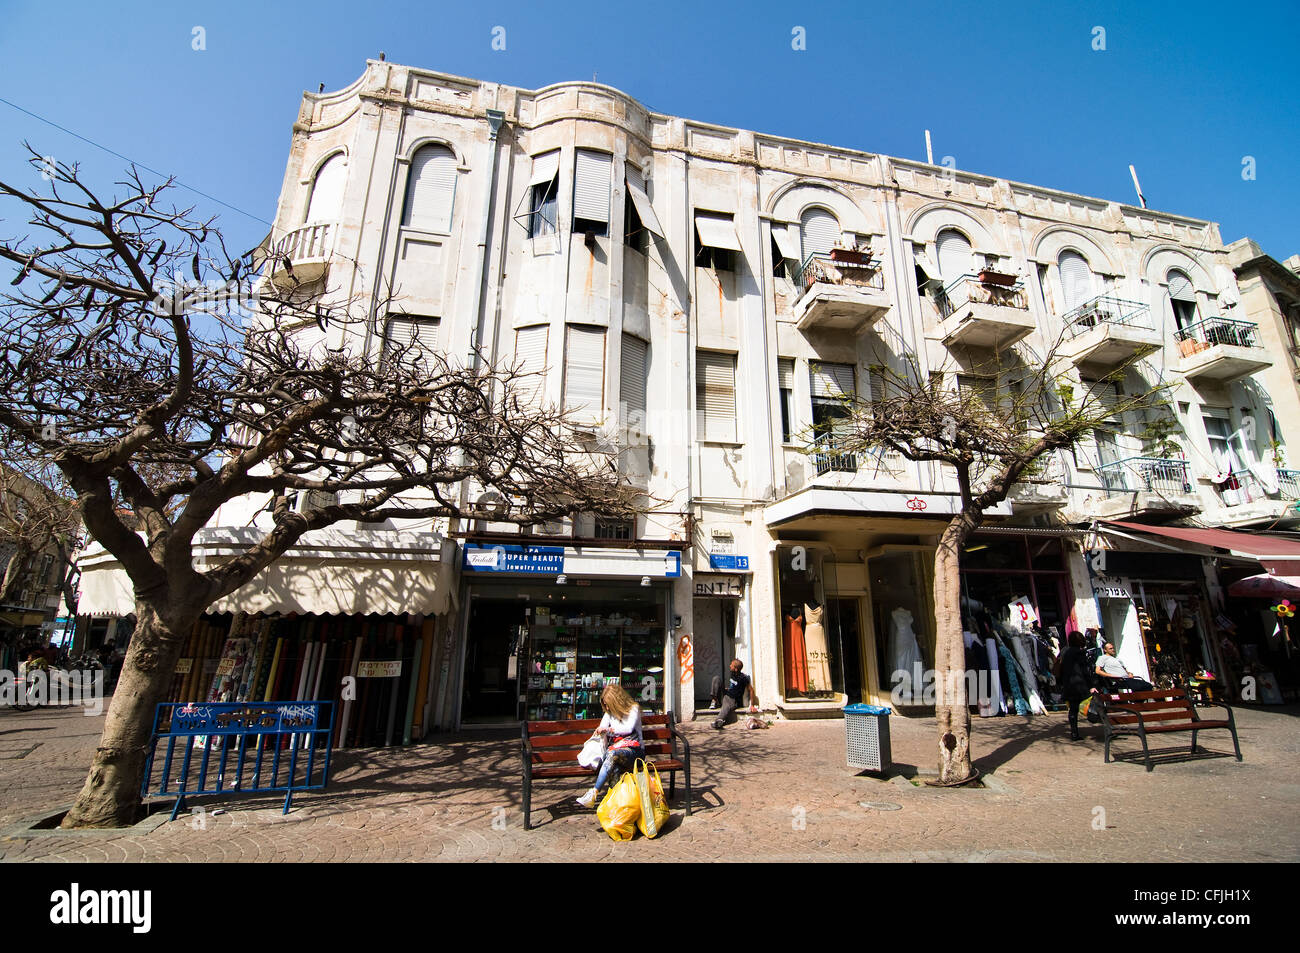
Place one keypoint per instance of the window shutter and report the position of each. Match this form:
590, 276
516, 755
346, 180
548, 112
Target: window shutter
983, 389
591, 185
717, 230
640, 198
632, 376
1180, 287
431, 190
545, 168
876, 381
715, 395
954, 255
327, 191
785, 373
584, 371
1076, 279
832, 380
419, 335
786, 241
820, 230
530, 356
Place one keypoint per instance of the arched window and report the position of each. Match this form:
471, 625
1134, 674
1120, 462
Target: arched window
327, 190
1076, 278
819, 230
1183, 298
430, 189
954, 255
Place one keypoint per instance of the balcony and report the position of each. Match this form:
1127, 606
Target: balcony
1220, 349
1107, 331
828, 458
1146, 486
302, 256
840, 291
983, 313
1247, 500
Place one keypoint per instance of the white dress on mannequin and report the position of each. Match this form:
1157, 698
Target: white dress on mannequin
903, 648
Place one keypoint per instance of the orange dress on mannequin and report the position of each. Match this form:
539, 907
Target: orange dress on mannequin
796, 654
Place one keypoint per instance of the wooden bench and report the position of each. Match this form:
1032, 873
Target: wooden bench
550, 750
1157, 712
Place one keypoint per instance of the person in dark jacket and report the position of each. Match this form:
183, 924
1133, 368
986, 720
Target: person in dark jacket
1074, 675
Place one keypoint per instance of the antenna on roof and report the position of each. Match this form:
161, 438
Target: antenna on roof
320, 88
1137, 185
929, 152
381, 56
593, 76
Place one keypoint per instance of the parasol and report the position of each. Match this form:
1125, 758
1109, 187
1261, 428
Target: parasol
1265, 586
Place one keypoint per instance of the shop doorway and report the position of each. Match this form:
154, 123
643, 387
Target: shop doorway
715, 639
491, 665
845, 616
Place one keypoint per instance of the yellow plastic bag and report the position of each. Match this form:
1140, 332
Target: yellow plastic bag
620, 809
650, 791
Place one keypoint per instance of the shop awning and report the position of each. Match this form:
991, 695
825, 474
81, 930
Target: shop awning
1277, 555
360, 572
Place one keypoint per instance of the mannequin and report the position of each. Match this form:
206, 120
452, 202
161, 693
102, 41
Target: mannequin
819, 667
904, 652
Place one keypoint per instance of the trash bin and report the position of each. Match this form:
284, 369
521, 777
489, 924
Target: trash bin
866, 729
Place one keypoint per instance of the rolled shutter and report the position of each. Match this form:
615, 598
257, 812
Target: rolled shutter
327, 191
1076, 279
832, 380
785, 373
418, 335
820, 231
876, 381
545, 168
1180, 287
430, 190
530, 357
591, 180
632, 376
954, 255
715, 395
584, 371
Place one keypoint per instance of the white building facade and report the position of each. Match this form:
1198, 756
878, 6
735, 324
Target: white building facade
700, 297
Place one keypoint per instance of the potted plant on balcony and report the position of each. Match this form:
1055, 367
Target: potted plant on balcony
992, 274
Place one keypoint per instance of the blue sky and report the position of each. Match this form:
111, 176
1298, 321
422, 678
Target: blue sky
1185, 91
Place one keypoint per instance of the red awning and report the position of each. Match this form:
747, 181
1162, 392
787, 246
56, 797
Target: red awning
1277, 555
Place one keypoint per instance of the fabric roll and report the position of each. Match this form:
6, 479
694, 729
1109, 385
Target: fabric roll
1009, 665
994, 705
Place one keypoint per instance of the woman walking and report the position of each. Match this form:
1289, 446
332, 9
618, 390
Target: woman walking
1074, 675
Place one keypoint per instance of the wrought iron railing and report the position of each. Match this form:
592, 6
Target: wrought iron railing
828, 458
1109, 310
969, 289
1146, 474
1211, 331
855, 269
1288, 482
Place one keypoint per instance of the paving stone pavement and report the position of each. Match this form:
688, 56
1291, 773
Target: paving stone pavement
783, 794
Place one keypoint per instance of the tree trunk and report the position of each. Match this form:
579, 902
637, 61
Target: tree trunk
111, 794
951, 706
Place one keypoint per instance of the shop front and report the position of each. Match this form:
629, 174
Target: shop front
544, 628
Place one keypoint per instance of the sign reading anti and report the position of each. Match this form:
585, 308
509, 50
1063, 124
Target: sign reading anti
525, 559
725, 561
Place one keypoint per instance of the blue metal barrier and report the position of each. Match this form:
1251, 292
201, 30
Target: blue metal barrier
276, 747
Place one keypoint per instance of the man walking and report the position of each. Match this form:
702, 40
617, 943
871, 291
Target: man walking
1115, 676
734, 695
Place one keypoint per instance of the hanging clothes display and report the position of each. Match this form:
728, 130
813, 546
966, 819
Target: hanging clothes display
1029, 685
996, 704
1009, 665
796, 653
814, 634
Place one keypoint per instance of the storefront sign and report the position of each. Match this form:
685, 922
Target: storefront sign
1109, 589
540, 560
184, 666
725, 561
379, 669
226, 666
728, 586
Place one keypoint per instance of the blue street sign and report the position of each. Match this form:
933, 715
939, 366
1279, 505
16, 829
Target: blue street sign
734, 563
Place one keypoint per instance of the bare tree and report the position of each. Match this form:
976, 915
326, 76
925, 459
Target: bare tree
131, 359
989, 438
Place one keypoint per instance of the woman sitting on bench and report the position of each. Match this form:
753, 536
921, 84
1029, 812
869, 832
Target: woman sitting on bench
621, 728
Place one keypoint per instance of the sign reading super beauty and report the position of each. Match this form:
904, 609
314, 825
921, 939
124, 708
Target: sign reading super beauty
529, 559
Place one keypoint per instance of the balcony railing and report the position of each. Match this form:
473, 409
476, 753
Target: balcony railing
1212, 331
968, 289
1146, 474
308, 241
828, 458
1288, 482
1107, 310
839, 267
